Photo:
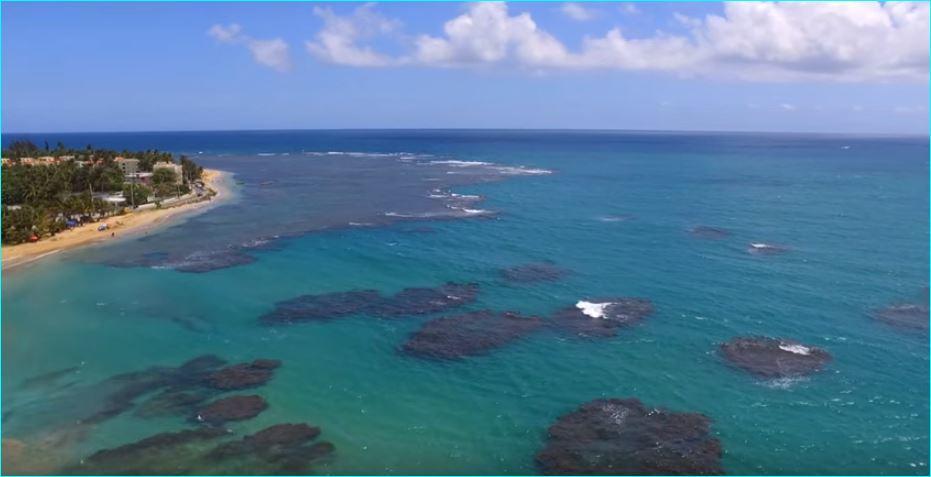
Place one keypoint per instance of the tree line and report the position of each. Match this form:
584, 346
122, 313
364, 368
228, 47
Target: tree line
41, 200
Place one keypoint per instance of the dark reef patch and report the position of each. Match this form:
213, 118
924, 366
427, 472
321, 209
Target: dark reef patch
623, 437
469, 334
162, 454
774, 358
601, 317
241, 376
172, 402
533, 272
168, 391
409, 301
279, 449
909, 316
210, 261
323, 307
50, 378
422, 301
282, 448
232, 408
707, 232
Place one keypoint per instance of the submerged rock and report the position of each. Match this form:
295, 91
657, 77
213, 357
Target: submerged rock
282, 448
908, 316
623, 437
50, 378
706, 232
241, 376
161, 454
469, 334
421, 301
233, 408
323, 307
601, 317
533, 272
204, 262
774, 358
410, 301
911, 316
173, 402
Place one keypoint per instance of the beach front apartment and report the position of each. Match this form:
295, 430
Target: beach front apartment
129, 166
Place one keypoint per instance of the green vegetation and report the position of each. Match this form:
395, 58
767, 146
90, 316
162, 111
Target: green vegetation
41, 197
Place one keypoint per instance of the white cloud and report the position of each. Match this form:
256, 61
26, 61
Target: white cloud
749, 41
629, 8
273, 53
577, 12
225, 34
486, 34
788, 107
337, 41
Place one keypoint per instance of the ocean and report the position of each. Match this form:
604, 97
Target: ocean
320, 212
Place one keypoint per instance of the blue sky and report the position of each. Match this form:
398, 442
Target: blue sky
667, 66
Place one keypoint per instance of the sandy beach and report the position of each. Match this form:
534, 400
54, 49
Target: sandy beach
123, 226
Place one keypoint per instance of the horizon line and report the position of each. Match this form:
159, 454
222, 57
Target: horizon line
604, 130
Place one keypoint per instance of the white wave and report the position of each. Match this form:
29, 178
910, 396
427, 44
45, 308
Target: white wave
782, 383
612, 218
594, 310
266, 154
797, 349
362, 224
441, 194
521, 171
475, 211
461, 163
424, 215
403, 155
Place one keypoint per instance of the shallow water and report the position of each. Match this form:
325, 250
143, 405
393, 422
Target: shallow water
615, 213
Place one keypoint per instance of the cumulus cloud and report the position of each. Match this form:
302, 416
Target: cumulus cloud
748, 41
338, 41
273, 53
577, 12
488, 34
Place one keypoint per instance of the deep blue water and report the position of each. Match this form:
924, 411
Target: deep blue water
330, 211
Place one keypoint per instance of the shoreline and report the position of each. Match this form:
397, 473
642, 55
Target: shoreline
124, 226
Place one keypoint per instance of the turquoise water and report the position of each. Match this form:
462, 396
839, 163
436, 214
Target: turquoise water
853, 212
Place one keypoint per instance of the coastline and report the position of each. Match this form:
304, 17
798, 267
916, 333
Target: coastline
124, 226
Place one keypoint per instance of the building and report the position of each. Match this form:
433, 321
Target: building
129, 166
170, 165
144, 178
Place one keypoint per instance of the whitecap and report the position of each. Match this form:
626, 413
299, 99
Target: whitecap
594, 310
797, 349
461, 163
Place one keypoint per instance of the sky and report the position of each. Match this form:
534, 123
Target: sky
794, 67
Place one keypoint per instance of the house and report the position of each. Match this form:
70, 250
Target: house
170, 165
128, 165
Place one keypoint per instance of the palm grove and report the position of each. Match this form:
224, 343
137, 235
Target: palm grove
64, 186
